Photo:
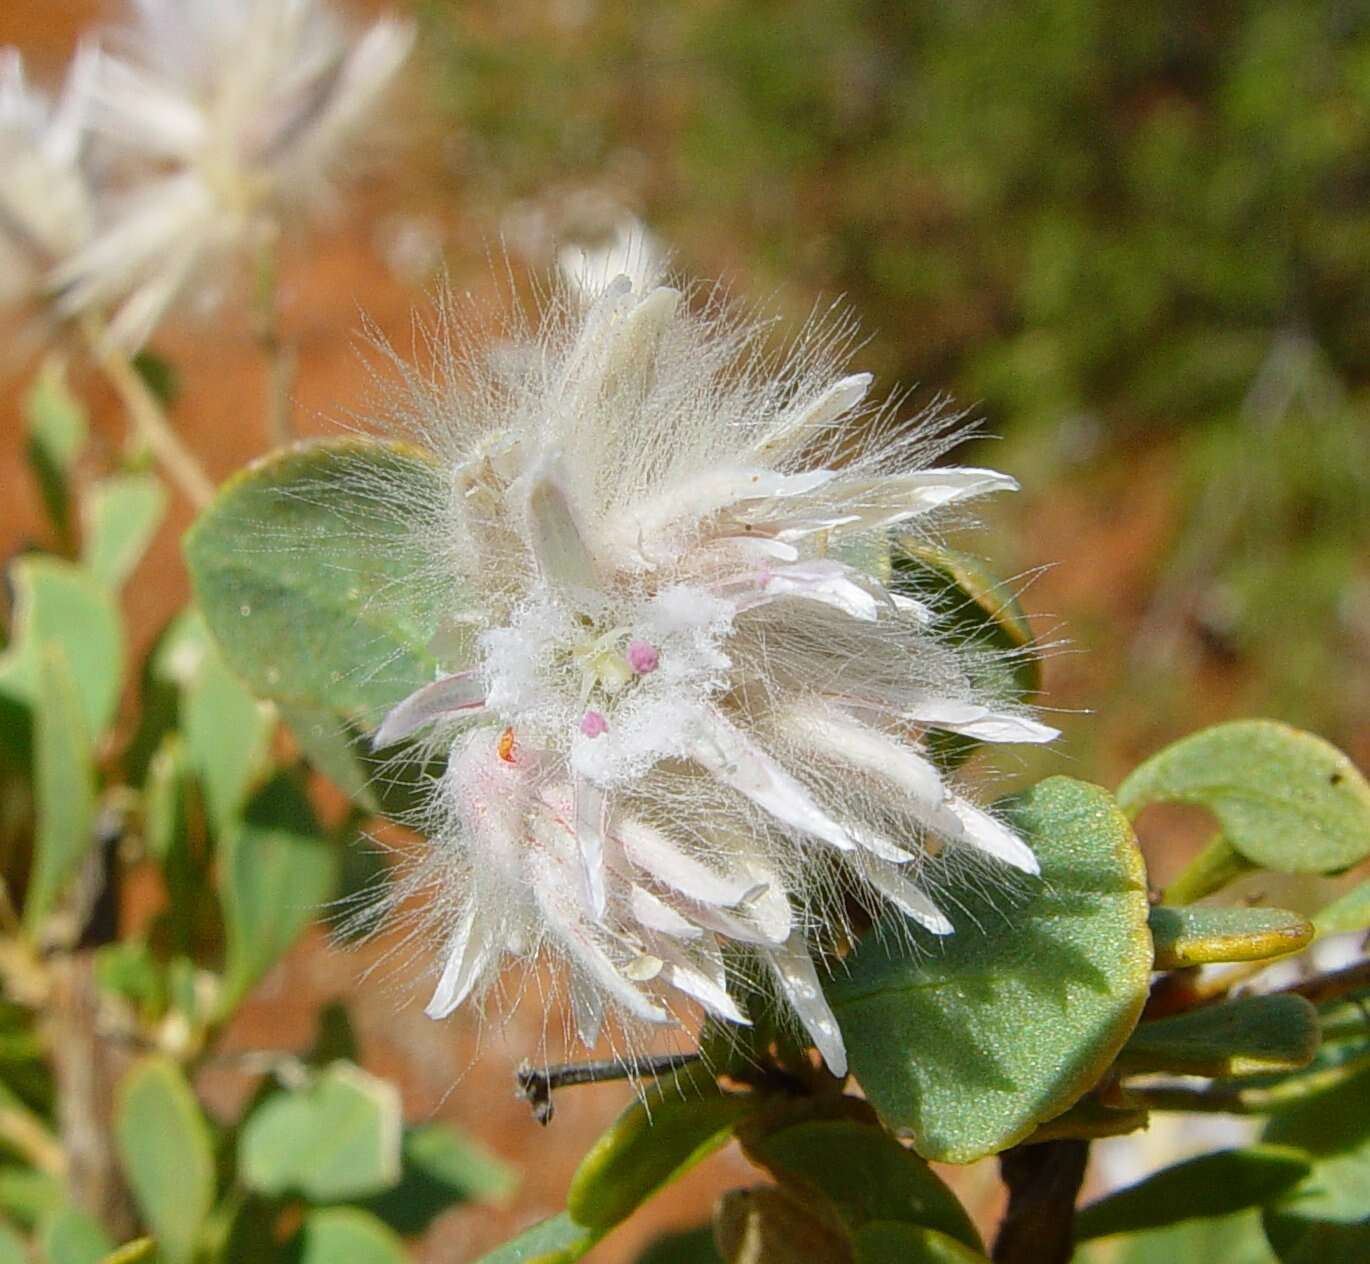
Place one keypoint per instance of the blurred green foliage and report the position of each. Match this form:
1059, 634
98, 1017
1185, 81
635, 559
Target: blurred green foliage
1102, 226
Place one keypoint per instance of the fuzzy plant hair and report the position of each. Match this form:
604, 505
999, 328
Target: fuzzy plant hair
685, 710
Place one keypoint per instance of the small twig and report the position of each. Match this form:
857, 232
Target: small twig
1332, 985
149, 419
536, 1086
1043, 1183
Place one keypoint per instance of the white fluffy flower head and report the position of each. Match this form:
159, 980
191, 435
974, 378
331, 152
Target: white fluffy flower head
45, 201
691, 711
231, 114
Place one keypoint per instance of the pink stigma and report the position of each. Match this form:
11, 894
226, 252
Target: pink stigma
642, 657
592, 724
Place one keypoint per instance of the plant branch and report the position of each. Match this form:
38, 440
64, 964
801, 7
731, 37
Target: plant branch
148, 418
1043, 1183
281, 358
536, 1086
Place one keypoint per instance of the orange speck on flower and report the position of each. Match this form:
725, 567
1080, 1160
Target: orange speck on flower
506, 745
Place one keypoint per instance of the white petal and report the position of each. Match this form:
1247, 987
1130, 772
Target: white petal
907, 896
443, 699
883, 502
737, 762
980, 722
701, 974
992, 837
825, 581
800, 425
794, 971
590, 814
666, 860
557, 540
469, 951
657, 915
845, 739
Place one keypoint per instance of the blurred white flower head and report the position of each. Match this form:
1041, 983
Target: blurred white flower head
45, 198
691, 711
226, 115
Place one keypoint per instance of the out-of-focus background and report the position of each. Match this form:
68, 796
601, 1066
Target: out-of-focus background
1134, 238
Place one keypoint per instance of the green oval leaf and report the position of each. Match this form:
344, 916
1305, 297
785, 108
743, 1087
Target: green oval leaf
344, 1235
316, 594
890, 1242
1325, 1218
1233, 1239
865, 1173
1195, 936
122, 514
972, 1041
58, 603
679, 1121
70, 1236
339, 1138
165, 1148
1249, 1036
57, 431
1286, 800
277, 873
1347, 913
1211, 1185
556, 1240
64, 788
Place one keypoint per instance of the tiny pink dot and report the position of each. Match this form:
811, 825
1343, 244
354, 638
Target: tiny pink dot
642, 657
592, 724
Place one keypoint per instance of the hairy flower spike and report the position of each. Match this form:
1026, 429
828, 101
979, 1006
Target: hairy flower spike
224, 116
678, 585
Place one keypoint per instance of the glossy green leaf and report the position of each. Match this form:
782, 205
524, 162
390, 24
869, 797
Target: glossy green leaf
227, 731
71, 1236
13, 1249
1325, 1219
336, 1139
1349, 912
315, 593
167, 1157
345, 1235
557, 1240
277, 872
1286, 800
57, 431
1194, 936
896, 1242
64, 788
59, 603
679, 1121
865, 1173
1249, 1036
980, 613
164, 801
1211, 1185
1233, 1239
441, 1169
139, 1251
971, 1041
122, 514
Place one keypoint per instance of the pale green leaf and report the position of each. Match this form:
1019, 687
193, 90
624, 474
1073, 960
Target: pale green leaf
164, 1145
556, 1240
1193, 936
971, 1041
1286, 800
122, 514
336, 1139
70, 1236
57, 431
345, 1235
1249, 1036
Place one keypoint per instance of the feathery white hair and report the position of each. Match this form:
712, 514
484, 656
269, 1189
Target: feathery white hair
692, 710
227, 114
